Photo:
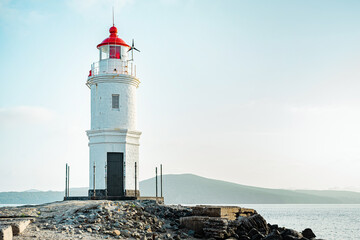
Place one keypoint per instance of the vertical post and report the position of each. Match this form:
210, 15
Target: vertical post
135, 181
156, 179
94, 191
66, 174
106, 181
68, 183
161, 182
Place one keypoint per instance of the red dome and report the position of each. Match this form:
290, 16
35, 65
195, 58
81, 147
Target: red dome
113, 39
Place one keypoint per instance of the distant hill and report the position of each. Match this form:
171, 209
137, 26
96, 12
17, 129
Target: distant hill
192, 189
34, 196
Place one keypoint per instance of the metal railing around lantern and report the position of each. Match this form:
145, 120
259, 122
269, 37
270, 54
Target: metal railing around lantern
113, 66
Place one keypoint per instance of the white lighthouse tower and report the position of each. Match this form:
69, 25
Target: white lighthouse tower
113, 137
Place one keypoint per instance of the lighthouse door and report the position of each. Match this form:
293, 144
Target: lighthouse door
115, 174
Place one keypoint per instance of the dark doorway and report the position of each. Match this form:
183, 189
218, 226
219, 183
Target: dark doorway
115, 174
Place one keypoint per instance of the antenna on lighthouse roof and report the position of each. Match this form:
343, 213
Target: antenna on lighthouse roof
113, 15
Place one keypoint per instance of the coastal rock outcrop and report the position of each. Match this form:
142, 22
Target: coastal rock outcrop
146, 220
249, 227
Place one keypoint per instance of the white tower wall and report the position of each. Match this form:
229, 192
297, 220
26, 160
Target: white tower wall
103, 116
113, 130
104, 141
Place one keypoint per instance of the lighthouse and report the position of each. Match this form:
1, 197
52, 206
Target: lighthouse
113, 137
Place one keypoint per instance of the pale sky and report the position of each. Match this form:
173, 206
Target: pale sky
261, 93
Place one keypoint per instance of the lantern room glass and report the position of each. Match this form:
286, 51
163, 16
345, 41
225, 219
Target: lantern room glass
104, 52
110, 51
115, 52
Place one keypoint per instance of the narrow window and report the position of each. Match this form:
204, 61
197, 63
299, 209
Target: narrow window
115, 101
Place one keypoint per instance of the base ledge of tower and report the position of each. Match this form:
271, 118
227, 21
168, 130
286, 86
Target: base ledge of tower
98, 193
123, 198
101, 194
131, 193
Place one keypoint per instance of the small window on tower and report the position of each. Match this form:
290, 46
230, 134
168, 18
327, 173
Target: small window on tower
115, 101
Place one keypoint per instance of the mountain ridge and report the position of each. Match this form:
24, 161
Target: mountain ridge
192, 189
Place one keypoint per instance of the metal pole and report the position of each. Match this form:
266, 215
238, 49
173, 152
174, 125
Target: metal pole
161, 186
94, 192
156, 178
135, 181
106, 180
66, 174
68, 178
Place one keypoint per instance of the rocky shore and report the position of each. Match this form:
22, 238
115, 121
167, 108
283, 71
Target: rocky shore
139, 220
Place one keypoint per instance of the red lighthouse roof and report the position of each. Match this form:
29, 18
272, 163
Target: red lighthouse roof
113, 39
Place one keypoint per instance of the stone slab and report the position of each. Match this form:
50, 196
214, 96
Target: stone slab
228, 212
6, 232
19, 226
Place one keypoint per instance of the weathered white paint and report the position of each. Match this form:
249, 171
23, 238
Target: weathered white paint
103, 116
113, 130
103, 141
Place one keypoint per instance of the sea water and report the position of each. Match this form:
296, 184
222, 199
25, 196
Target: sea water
328, 221
10, 205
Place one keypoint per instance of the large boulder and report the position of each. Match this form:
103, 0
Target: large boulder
308, 233
274, 235
246, 224
291, 232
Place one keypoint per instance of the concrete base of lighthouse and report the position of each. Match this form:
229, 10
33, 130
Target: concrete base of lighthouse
114, 161
102, 194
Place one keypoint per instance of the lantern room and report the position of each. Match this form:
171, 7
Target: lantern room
113, 57
113, 47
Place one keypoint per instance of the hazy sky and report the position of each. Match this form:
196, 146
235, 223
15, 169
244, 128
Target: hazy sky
262, 93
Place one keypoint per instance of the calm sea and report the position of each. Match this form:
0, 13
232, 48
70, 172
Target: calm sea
10, 205
328, 221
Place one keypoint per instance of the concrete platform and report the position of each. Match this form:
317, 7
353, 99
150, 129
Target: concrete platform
121, 198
